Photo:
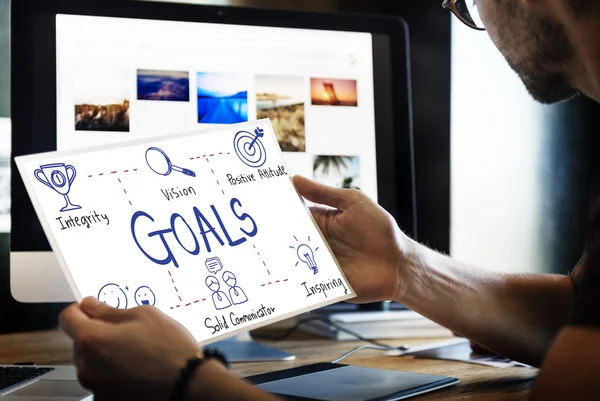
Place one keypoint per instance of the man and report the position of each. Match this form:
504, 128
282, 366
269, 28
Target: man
550, 321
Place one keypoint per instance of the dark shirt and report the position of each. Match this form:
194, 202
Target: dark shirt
586, 276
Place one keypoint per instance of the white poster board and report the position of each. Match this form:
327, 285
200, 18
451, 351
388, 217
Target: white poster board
206, 226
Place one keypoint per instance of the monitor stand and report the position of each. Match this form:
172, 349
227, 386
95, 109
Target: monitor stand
243, 348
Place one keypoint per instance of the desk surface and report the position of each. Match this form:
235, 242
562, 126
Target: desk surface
477, 382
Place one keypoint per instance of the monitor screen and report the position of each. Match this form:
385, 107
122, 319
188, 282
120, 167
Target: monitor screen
120, 79
336, 89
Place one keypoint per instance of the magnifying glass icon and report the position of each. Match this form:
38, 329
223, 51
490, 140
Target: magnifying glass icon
159, 162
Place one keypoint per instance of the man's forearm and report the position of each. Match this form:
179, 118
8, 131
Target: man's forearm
515, 315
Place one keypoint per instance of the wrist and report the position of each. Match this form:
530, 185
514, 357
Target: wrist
201, 384
409, 267
203, 363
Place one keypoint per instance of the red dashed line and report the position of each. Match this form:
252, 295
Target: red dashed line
174, 286
213, 171
188, 304
210, 155
113, 172
124, 190
263, 262
179, 296
274, 282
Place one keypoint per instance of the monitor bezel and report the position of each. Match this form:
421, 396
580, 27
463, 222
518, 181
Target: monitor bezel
395, 152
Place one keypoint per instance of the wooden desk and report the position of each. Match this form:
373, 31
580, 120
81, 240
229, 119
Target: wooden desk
477, 382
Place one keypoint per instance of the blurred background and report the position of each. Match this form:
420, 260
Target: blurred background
502, 182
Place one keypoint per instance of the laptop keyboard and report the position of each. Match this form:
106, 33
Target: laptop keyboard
13, 375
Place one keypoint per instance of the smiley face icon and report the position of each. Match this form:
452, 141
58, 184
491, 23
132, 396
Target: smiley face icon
144, 296
112, 295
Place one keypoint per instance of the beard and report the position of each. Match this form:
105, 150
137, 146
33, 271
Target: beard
542, 70
545, 86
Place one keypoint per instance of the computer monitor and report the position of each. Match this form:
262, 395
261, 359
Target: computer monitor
336, 88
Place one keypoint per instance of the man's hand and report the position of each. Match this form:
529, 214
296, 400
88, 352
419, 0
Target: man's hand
126, 354
365, 239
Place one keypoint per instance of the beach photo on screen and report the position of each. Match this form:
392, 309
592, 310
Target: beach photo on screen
333, 92
337, 171
222, 98
101, 99
281, 99
163, 85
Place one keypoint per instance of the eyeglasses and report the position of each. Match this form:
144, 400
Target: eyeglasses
466, 11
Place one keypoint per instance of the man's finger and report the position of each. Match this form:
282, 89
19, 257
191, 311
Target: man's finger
74, 321
323, 194
101, 311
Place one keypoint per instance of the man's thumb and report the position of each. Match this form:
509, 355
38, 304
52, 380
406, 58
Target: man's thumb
101, 311
341, 199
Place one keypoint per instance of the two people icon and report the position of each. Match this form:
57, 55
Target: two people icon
220, 299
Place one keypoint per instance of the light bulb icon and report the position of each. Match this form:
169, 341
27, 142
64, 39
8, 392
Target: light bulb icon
306, 255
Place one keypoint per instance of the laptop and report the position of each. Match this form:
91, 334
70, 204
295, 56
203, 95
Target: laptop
41, 383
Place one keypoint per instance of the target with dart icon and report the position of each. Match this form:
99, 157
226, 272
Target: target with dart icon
249, 148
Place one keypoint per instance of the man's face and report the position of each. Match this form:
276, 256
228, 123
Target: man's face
535, 46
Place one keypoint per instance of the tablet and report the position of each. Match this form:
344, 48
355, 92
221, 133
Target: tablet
204, 225
337, 382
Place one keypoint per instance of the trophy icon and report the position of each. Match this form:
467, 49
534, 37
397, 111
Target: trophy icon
56, 176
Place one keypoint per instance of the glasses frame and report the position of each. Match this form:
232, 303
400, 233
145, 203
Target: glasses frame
451, 5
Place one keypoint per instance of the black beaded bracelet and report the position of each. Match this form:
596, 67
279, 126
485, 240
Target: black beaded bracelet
180, 385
